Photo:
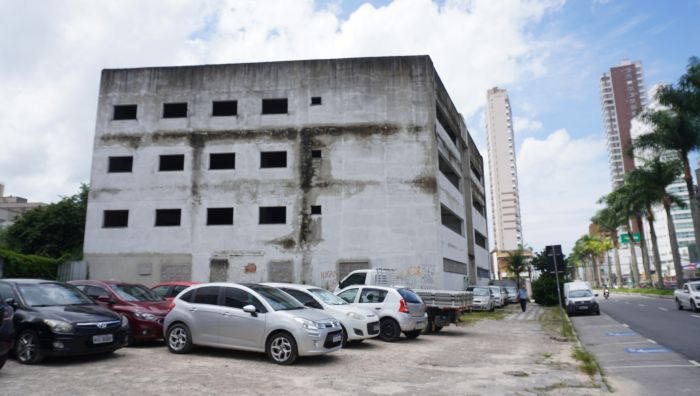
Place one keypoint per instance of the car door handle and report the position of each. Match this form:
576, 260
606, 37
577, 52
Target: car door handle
193, 309
378, 308
227, 314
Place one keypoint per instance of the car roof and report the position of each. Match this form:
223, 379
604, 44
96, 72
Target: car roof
177, 283
28, 281
101, 282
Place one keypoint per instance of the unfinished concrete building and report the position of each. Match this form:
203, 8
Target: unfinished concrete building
295, 171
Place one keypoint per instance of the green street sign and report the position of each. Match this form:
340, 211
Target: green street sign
625, 238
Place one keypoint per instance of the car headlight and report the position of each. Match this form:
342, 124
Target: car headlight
145, 316
354, 315
308, 325
58, 326
125, 321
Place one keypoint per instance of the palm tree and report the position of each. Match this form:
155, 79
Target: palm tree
516, 263
622, 200
608, 221
590, 249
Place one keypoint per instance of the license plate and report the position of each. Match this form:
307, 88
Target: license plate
102, 339
583, 307
337, 338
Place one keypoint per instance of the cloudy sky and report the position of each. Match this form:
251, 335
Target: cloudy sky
548, 54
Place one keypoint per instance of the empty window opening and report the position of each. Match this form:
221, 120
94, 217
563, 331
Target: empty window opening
219, 216
125, 112
222, 161
451, 220
479, 239
174, 162
174, 110
273, 159
453, 266
478, 206
476, 172
443, 120
167, 217
315, 209
316, 154
115, 219
120, 164
224, 108
448, 171
315, 101
274, 106
273, 215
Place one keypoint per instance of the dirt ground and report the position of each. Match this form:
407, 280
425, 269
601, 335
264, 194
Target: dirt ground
512, 356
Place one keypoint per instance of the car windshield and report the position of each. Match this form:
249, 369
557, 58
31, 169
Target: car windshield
580, 293
695, 287
136, 293
328, 297
52, 294
481, 292
279, 300
496, 290
410, 296
511, 290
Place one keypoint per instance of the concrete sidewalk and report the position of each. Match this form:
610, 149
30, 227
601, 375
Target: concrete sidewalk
633, 364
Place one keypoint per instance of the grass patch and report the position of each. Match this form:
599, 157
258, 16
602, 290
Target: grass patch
475, 316
656, 292
588, 363
556, 321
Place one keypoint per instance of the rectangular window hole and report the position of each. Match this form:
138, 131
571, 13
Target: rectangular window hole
315, 101
274, 106
115, 219
167, 217
120, 164
273, 215
451, 220
219, 216
175, 162
224, 108
316, 154
315, 209
125, 112
174, 110
222, 161
273, 159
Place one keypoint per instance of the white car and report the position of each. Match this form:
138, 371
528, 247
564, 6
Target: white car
399, 309
358, 324
688, 297
483, 299
498, 296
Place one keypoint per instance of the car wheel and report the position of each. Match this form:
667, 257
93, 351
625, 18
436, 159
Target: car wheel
389, 330
345, 336
179, 339
282, 349
597, 312
412, 334
493, 308
27, 348
3, 359
679, 305
694, 306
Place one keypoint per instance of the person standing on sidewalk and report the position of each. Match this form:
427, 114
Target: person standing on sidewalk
522, 297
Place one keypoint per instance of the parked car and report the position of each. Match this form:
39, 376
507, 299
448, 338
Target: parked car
363, 323
249, 317
579, 298
56, 319
688, 296
483, 299
512, 294
142, 306
498, 296
7, 329
168, 290
399, 309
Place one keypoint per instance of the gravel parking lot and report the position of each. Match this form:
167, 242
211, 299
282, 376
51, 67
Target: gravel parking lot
490, 357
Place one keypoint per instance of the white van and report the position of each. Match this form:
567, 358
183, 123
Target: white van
579, 298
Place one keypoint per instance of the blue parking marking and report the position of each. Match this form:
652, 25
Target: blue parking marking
620, 333
648, 350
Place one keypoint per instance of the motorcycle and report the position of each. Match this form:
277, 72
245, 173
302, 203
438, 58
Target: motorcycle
606, 293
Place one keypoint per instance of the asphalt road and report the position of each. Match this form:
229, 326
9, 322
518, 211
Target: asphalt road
657, 319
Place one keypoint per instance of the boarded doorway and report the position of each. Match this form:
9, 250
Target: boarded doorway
281, 271
218, 270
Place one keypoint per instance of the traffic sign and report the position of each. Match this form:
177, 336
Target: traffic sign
625, 238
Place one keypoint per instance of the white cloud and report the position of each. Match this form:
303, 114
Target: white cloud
522, 125
560, 180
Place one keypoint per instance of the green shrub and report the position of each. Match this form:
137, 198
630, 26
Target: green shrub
18, 265
544, 290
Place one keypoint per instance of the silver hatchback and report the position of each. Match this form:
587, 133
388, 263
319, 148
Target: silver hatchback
249, 317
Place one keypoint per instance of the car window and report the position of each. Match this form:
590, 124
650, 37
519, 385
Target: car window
349, 295
299, 295
327, 297
52, 294
6, 292
237, 298
354, 279
162, 291
177, 290
278, 300
207, 295
135, 293
478, 291
696, 287
409, 296
370, 296
580, 293
187, 296
94, 292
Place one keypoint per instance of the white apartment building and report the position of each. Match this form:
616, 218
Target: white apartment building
297, 171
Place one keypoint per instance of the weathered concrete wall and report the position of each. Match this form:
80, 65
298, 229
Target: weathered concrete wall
377, 181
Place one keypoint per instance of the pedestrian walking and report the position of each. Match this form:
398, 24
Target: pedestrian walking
522, 297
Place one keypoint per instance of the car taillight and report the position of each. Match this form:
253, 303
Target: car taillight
171, 306
402, 306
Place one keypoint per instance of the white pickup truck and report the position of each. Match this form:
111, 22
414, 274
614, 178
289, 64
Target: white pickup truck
688, 296
443, 306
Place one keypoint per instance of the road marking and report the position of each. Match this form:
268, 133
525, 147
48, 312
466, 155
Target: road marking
625, 324
620, 333
663, 309
654, 366
697, 316
652, 341
648, 350
641, 305
694, 363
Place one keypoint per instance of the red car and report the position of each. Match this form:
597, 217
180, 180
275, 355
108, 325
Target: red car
144, 308
168, 290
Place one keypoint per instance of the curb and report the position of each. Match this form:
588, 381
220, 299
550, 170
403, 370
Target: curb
599, 377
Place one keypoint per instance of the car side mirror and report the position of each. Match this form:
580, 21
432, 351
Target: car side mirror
11, 302
686, 291
105, 299
595, 295
251, 310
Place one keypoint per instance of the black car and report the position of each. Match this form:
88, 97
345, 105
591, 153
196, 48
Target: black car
56, 319
7, 331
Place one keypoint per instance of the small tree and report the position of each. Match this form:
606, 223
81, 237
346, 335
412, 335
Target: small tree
516, 263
